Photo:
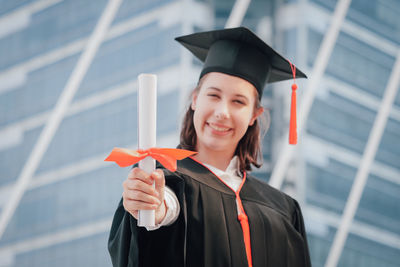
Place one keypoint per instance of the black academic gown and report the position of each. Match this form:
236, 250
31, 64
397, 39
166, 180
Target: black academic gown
207, 231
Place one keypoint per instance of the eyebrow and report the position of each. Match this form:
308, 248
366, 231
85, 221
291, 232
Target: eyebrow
215, 88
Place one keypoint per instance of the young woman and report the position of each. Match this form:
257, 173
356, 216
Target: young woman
211, 212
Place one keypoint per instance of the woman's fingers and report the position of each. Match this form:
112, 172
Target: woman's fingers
135, 205
140, 196
139, 185
137, 173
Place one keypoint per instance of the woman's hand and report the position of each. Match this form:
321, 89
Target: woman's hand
139, 193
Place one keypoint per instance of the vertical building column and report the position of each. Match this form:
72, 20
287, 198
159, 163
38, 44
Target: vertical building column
237, 14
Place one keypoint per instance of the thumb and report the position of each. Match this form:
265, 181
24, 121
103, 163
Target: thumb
159, 181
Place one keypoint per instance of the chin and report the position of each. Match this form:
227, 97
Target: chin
218, 147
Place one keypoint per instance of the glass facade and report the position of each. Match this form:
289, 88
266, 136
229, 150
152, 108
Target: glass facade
65, 214
340, 122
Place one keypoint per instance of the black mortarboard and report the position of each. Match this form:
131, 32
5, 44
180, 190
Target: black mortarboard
239, 52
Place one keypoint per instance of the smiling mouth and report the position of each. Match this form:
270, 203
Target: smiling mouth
218, 128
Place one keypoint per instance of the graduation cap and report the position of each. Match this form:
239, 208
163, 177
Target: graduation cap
239, 52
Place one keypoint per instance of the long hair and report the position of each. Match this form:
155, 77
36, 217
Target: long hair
248, 149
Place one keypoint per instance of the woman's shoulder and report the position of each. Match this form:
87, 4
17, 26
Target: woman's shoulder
262, 187
260, 191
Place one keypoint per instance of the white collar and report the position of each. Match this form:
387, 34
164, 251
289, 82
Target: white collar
231, 170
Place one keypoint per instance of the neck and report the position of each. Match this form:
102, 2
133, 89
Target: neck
217, 159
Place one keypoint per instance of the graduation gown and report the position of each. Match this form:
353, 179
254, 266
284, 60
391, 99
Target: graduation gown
207, 231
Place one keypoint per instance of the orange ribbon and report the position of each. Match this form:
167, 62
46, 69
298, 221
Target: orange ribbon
166, 156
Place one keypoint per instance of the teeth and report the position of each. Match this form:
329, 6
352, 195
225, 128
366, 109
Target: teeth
221, 129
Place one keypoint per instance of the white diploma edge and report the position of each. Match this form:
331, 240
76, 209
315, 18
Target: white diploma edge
147, 112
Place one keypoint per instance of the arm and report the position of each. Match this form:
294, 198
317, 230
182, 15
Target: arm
130, 245
298, 223
122, 244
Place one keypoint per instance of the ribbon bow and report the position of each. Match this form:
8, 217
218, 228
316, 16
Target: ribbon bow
166, 156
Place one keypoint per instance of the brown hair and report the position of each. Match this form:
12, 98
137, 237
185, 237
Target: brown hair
248, 149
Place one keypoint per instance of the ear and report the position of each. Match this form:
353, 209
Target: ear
194, 99
256, 114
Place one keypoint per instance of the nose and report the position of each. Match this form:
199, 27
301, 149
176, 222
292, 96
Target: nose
221, 110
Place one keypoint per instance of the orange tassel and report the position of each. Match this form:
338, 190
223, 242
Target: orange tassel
293, 119
293, 123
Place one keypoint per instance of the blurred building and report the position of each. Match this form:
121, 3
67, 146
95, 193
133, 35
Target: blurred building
65, 214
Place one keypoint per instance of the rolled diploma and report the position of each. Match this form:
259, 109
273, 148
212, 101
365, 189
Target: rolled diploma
147, 110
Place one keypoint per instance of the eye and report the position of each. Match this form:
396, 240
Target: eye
240, 102
213, 95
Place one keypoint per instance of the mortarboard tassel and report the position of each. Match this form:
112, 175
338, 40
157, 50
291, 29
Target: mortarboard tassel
293, 123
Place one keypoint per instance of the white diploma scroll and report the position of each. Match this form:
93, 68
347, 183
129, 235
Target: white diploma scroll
147, 110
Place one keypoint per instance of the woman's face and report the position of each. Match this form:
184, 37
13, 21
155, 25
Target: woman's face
224, 107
